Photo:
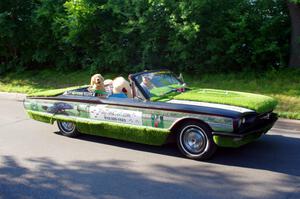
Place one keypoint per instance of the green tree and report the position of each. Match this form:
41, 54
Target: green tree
15, 33
132, 35
47, 32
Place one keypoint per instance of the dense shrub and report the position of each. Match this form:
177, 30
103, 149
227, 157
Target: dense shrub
131, 35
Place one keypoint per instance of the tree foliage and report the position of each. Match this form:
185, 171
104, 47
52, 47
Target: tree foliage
131, 35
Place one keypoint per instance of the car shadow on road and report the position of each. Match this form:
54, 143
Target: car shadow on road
277, 153
167, 149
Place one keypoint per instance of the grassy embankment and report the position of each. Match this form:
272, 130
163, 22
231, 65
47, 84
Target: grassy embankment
284, 85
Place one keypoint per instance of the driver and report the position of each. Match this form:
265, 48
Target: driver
146, 85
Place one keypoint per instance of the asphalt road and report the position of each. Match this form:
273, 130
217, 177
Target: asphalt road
37, 162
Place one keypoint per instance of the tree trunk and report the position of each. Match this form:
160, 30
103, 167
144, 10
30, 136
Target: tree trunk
294, 10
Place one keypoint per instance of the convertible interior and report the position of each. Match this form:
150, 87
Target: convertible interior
160, 83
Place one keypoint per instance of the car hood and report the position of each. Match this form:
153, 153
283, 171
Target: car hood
256, 102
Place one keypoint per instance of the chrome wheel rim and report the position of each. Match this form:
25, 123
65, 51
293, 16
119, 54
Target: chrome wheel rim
194, 140
68, 127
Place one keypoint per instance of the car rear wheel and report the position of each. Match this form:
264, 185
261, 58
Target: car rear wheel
195, 141
67, 129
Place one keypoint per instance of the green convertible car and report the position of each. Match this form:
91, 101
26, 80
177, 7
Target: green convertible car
163, 109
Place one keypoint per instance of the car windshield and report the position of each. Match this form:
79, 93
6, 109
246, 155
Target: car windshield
159, 83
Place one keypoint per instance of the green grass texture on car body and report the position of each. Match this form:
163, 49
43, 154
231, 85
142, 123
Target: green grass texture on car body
127, 132
259, 103
224, 141
283, 84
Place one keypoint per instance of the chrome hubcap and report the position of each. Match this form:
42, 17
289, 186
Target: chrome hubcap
194, 140
68, 126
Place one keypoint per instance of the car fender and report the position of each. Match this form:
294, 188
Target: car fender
181, 121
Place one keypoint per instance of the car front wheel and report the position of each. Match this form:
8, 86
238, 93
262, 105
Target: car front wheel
67, 129
195, 141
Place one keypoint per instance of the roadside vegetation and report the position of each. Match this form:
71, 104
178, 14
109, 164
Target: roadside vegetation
131, 35
284, 84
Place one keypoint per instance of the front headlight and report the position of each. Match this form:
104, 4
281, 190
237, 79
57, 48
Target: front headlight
241, 121
238, 122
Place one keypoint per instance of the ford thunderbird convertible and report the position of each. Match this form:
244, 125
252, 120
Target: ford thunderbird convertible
163, 109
